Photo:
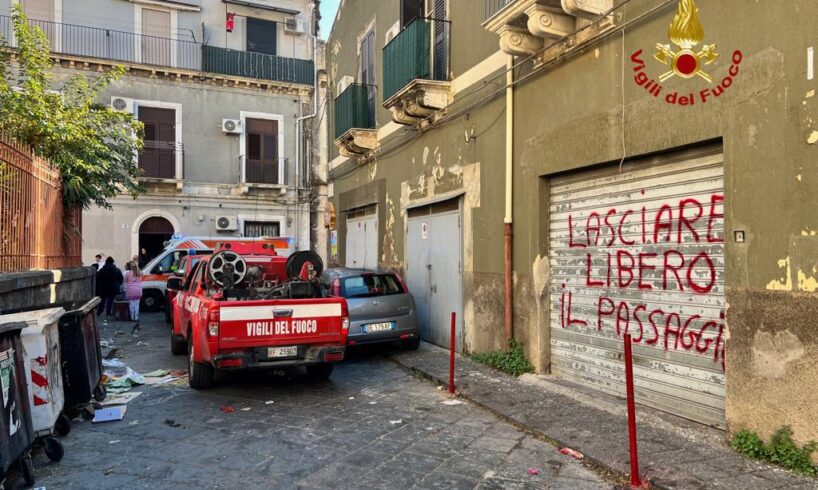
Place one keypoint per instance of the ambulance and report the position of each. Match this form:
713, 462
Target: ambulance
160, 268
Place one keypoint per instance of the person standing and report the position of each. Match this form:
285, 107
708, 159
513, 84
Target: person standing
143, 258
100, 261
133, 290
109, 282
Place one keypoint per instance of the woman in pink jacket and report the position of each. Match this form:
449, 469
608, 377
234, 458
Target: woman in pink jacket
133, 289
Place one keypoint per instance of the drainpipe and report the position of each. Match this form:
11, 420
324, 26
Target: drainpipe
299, 123
509, 316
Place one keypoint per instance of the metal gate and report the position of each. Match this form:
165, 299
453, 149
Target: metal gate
641, 250
362, 239
434, 264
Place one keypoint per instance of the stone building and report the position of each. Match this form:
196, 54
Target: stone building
602, 168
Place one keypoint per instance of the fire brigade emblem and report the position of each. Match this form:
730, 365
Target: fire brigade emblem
686, 32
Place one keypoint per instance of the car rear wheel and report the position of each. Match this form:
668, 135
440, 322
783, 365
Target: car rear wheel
319, 371
200, 376
178, 345
151, 301
411, 344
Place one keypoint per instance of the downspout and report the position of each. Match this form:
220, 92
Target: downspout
299, 122
509, 315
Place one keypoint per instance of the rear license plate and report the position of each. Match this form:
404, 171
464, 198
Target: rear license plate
378, 327
290, 351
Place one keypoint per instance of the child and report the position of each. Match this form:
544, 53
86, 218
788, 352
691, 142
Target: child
133, 290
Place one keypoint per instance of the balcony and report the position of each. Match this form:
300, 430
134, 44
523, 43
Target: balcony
267, 172
416, 71
162, 163
182, 54
528, 27
355, 132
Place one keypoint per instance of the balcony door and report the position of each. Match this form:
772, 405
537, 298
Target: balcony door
262, 162
409, 11
262, 36
40, 13
156, 42
368, 73
440, 41
158, 157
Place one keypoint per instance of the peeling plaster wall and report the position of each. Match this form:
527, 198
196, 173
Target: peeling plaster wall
571, 118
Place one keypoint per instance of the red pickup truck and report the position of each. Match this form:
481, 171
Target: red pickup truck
245, 307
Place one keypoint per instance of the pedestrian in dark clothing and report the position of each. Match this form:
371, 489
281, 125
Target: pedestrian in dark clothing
109, 285
143, 258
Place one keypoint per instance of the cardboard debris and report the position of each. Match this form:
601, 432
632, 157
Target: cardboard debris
396, 422
109, 414
269, 402
159, 373
120, 398
112, 363
453, 402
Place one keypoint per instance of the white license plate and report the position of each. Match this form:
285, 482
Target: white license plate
377, 327
290, 351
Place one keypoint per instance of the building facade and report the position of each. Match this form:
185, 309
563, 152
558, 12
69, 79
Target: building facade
602, 168
225, 90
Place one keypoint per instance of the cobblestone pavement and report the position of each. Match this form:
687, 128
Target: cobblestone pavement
372, 425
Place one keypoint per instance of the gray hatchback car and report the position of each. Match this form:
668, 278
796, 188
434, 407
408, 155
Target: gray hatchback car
380, 306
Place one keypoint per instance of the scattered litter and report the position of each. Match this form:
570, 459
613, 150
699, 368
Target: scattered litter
109, 414
112, 363
106, 343
214, 420
373, 403
269, 402
246, 409
140, 343
120, 398
533, 471
172, 423
352, 398
157, 373
440, 387
113, 442
135, 422
572, 453
114, 353
38, 488
109, 471
396, 422
228, 409
124, 383
453, 402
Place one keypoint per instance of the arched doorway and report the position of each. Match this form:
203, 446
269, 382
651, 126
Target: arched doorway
153, 232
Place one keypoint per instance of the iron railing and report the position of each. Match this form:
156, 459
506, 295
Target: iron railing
257, 65
355, 108
264, 171
494, 6
419, 52
157, 160
127, 47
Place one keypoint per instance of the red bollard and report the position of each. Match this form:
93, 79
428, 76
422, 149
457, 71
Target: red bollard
451, 358
635, 479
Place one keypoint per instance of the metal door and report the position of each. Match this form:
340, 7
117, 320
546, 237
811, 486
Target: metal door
434, 273
641, 250
362, 242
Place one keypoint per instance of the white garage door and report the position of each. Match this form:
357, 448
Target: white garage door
362, 239
641, 251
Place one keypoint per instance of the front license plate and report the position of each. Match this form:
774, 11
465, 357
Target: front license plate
378, 327
290, 351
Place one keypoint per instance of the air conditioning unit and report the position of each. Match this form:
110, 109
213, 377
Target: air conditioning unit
122, 104
344, 83
392, 33
231, 126
294, 26
227, 223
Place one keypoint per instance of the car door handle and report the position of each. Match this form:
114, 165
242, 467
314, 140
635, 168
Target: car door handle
286, 313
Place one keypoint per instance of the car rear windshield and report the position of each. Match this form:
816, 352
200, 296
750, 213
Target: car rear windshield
368, 285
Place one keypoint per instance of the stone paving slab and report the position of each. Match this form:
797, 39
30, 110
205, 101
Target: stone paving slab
674, 454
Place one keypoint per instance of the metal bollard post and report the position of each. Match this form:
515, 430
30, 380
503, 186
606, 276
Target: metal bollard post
451, 357
635, 479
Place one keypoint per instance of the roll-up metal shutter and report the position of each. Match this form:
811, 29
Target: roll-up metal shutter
641, 250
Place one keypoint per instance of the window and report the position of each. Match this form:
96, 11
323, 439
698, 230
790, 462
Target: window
196, 276
158, 157
368, 73
167, 261
369, 285
262, 163
253, 229
262, 36
409, 11
156, 42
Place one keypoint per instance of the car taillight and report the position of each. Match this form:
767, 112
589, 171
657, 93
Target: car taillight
345, 323
402, 283
213, 323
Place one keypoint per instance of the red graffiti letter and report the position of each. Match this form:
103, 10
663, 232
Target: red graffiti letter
675, 269
611, 212
571, 243
623, 314
684, 221
715, 199
654, 326
643, 267
673, 318
663, 223
639, 322
624, 268
596, 228
710, 268
621, 223
600, 312
588, 281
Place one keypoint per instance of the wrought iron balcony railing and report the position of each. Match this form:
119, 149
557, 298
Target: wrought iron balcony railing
494, 6
419, 52
187, 54
268, 171
355, 108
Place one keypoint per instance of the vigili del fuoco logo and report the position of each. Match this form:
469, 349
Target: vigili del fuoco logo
686, 60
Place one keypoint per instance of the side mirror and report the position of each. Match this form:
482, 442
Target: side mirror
174, 284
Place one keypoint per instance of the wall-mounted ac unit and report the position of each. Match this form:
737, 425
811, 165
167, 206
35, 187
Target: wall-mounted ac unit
294, 26
227, 223
231, 126
344, 83
122, 104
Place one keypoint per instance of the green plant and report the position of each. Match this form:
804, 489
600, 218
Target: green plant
93, 145
512, 361
781, 450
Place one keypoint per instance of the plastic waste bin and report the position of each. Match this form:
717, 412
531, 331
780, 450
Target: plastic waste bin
16, 432
41, 343
81, 356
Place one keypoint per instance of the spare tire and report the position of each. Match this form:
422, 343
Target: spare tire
296, 261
